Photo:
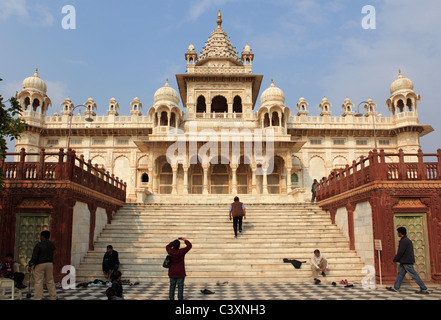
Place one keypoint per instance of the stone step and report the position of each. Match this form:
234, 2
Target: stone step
212, 278
140, 232
214, 241
333, 255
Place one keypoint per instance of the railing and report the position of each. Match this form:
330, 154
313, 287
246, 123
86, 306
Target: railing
381, 166
69, 167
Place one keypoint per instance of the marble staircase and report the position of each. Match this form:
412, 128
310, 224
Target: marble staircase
271, 232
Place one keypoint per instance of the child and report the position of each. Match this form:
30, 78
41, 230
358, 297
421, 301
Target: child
117, 285
7, 270
111, 294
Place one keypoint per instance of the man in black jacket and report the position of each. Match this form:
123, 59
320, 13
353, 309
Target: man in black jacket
42, 261
110, 261
406, 258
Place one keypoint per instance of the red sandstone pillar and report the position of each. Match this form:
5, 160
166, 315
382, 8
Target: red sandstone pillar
350, 208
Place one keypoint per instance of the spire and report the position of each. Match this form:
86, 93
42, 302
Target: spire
219, 20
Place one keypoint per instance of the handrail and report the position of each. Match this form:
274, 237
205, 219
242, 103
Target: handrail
69, 167
379, 166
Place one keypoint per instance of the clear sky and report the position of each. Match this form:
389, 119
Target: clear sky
310, 48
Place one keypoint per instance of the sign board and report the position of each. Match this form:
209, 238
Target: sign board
378, 246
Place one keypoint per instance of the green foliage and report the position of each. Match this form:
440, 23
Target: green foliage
11, 126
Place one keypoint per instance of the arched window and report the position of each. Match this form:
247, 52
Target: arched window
266, 120
237, 105
173, 120
35, 105
164, 119
27, 103
166, 179
201, 106
145, 178
409, 105
400, 105
275, 119
294, 179
219, 105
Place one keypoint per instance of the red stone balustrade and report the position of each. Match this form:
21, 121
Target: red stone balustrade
380, 166
69, 167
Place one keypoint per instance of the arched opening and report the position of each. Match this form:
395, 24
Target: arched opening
237, 105
294, 179
196, 178
275, 177
392, 109
243, 176
275, 119
35, 105
27, 103
219, 105
266, 120
173, 120
164, 119
409, 105
220, 177
166, 179
400, 105
201, 106
274, 180
145, 178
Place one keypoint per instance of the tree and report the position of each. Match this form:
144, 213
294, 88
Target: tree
11, 126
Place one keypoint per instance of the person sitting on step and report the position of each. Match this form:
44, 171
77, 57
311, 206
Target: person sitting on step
318, 264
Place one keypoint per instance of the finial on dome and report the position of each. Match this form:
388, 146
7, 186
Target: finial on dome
272, 83
36, 72
219, 19
166, 82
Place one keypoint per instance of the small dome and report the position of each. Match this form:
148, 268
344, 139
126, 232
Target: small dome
166, 93
191, 48
272, 94
401, 83
247, 48
35, 83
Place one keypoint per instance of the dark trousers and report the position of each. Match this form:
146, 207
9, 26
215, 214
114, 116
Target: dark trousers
18, 277
173, 283
313, 196
237, 221
107, 266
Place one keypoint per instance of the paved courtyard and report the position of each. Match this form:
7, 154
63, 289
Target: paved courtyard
249, 292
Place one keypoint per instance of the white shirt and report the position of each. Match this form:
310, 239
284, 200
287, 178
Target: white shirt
315, 261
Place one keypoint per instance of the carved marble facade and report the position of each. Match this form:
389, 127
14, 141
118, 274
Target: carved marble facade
219, 91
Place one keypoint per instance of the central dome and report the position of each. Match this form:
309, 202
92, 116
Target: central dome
219, 46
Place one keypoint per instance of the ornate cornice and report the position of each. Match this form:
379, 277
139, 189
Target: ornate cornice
381, 185
33, 187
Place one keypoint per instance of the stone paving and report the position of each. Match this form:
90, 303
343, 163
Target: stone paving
250, 292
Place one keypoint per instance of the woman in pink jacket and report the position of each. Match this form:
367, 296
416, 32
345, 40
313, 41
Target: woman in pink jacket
176, 272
